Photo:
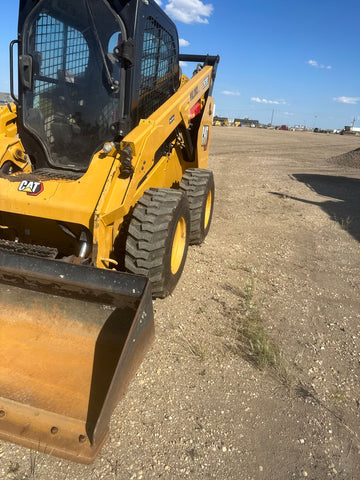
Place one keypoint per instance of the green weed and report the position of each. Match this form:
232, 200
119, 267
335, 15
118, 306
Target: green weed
338, 396
345, 223
14, 467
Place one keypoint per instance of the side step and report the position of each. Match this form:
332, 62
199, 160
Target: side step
71, 338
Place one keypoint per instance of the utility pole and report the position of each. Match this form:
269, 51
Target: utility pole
272, 118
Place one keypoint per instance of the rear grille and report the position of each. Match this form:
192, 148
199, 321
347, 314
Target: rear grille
28, 249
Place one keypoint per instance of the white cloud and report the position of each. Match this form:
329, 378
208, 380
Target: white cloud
183, 43
183, 64
159, 2
316, 64
347, 100
313, 63
228, 92
189, 11
268, 102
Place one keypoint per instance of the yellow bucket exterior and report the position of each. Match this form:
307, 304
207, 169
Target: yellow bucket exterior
70, 341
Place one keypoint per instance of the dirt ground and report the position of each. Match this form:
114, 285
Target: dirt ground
254, 372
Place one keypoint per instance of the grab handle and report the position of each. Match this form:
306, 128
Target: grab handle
12, 70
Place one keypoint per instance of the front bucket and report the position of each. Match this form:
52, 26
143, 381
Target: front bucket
71, 338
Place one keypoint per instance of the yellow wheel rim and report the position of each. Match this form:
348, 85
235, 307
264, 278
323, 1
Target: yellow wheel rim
178, 246
207, 210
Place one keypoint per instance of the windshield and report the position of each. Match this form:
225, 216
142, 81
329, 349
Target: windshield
75, 94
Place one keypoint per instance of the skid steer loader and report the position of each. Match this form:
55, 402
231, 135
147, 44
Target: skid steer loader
103, 184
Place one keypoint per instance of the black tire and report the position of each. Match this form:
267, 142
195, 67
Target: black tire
198, 184
157, 241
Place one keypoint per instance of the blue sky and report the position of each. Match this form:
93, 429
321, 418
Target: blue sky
295, 61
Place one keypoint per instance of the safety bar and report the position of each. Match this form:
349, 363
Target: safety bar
207, 60
211, 60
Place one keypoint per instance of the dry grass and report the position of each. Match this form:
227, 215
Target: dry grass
254, 342
250, 338
192, 347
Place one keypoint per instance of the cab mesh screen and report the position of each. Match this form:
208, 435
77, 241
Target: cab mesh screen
62, 54
157, 68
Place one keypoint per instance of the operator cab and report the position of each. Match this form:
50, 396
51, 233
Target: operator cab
70, 78
79, 84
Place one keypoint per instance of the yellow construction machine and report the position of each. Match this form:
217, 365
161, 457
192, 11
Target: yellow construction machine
103, 184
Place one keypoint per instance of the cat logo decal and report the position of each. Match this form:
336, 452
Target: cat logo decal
31, 188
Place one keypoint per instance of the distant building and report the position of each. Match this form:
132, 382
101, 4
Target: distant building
220, 121
5, 98
247, 122
350, 130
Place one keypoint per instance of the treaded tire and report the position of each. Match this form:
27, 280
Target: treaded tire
198, 184
157, 241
